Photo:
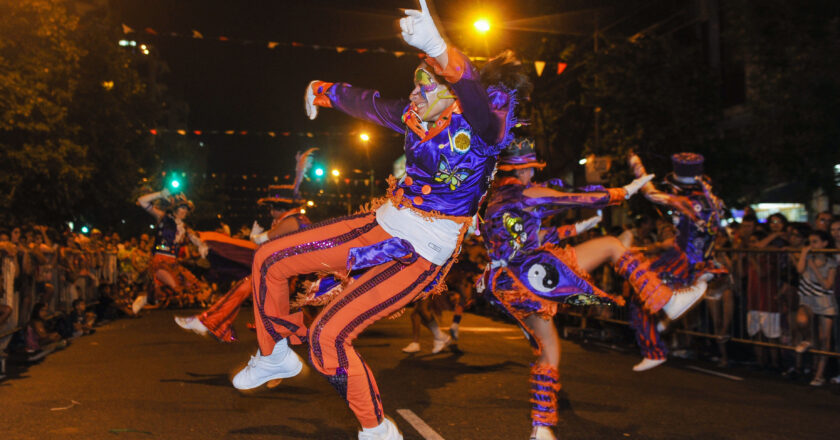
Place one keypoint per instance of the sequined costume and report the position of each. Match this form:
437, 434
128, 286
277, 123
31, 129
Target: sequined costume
530, 272
696, 215
404, 245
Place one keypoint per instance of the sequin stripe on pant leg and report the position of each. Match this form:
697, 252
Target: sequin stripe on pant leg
545, 383
267, 321
335, 307
649, 340
340, 342
330, 340
219, 318
649, 288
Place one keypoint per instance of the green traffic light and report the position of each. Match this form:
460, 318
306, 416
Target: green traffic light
319, 171
175, 184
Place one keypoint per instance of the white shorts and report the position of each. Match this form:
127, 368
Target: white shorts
769, 324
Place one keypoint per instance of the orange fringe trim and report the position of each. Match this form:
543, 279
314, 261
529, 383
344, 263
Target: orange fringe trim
308, 298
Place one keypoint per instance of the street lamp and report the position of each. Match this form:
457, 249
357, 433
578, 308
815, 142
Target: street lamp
335, 172
482, 25
364, 137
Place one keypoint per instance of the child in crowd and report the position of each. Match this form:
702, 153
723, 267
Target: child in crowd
816, 298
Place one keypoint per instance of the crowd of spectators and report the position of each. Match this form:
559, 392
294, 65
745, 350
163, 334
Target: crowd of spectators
780, 295
781, 292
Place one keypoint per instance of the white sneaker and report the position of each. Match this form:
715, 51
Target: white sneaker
682, 300
139, 303
542, 433
386, 430
280, 364
440, 344
414, 347
647, 364
191, 323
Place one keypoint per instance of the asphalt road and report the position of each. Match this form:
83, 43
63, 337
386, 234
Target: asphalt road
147, 379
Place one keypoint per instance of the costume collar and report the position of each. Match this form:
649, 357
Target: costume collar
413, 121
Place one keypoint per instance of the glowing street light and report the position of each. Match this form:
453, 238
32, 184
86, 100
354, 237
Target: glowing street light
364, 137
482, 25
310, 203
335, 172
583, 161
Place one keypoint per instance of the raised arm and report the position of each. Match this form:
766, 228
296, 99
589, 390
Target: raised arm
589, 197
147, 202
419, 30
359, 103
650, 192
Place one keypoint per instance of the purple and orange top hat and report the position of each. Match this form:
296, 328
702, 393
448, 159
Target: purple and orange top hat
687, 164
518, 155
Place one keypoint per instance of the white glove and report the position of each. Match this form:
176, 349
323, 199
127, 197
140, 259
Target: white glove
587, 224
203, 250
634, 186
309, 103
165, 193
419, 30
256, 230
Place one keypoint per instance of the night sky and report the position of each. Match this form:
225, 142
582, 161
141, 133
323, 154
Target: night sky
234, 86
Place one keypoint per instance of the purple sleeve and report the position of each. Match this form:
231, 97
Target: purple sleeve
476, 107
366, 104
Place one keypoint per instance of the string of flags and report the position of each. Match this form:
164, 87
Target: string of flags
272, 134
539, 66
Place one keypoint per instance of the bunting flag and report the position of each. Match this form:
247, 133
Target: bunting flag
272, 134
539, 66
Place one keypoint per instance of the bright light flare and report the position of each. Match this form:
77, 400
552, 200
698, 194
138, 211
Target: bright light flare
482, 25
364, 137
335, 172
310, 203
319, 172
583, 161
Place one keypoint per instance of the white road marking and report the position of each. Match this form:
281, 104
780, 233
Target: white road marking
425, 430
715, 373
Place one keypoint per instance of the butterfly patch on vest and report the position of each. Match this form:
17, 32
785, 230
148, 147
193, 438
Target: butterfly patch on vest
461, 141
454, 177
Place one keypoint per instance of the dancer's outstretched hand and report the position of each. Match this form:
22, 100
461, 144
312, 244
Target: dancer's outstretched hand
587, 224
419, 30
309, 101
256, 230
634, 186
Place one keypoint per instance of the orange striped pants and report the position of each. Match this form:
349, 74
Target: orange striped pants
380, 292
220, 316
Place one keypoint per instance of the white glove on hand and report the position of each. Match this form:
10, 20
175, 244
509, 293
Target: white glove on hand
203, 250
164, 193
587, 224
634, 186
419, 30
256, 229
309, 103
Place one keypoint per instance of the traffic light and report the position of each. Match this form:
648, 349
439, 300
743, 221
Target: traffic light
319, 171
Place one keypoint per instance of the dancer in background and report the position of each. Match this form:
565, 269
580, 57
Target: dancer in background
285, 205
685, 258
455, 125
167, 275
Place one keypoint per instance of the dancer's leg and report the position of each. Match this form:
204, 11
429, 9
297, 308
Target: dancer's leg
322, 247
218, 319
381, 291
545, 374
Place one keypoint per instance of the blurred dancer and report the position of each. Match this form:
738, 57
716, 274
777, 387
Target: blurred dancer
685, 258
285, 206
172, 233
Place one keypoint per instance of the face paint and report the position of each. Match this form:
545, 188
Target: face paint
427, 84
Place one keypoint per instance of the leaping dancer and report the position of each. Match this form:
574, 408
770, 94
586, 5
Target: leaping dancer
686, 258
455, 127
530, 273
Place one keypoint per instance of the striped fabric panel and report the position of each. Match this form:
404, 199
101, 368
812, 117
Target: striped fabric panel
810, 288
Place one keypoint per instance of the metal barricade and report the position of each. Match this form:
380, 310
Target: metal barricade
756, 303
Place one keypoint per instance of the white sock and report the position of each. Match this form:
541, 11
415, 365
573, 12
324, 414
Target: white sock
378, 430
433, 327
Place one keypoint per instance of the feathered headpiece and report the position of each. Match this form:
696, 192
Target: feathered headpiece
289, 194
